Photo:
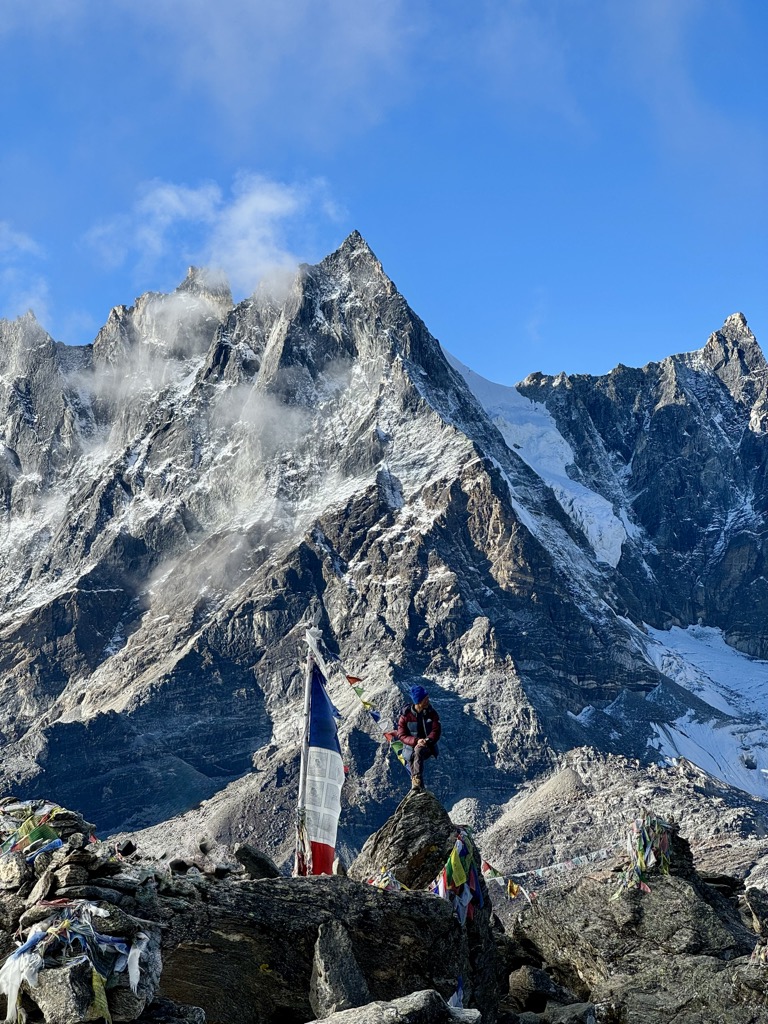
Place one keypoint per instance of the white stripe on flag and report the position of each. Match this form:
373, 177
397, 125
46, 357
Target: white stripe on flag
325, 776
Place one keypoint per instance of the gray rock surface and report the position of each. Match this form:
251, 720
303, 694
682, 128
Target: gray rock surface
67, 995
587, 804
418, 1008
14, 871
575, 1013
283, 950
256, 863
246, 951
531, 988
337, 983
677, 953
413, 844
165, 1011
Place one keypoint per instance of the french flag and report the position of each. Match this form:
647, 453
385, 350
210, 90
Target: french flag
325, 777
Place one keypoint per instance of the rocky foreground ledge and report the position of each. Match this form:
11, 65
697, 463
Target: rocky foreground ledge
121, 938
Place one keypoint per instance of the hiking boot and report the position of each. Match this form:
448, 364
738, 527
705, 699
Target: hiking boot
416, 783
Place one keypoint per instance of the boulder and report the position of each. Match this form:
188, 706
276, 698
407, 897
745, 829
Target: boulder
417, 1008
124, 1003
756, 900
14, 871
245, 952
42, 887
531, 988
70, 874
165, 1011
413, 844
69, 995
337, 982
573, 1013
256, 863
676, 953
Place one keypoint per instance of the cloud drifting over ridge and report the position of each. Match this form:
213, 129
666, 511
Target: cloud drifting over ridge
243, 232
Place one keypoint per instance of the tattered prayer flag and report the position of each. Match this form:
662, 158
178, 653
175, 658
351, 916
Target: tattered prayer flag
390, 735
457, 872
325, 776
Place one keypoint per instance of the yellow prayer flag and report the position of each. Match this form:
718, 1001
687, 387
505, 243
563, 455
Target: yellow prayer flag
458, 874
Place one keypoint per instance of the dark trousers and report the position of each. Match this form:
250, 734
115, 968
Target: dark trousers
420, 755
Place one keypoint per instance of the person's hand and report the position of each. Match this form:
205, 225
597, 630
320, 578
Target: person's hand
421, 743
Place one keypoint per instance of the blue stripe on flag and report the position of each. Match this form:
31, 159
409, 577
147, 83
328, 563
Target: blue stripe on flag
322, 721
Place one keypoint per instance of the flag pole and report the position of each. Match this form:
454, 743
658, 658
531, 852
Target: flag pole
300, 862
313, 637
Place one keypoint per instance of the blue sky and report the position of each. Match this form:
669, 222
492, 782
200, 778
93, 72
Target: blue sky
552, 184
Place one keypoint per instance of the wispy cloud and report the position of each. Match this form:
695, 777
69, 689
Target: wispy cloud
18, 16
309, 65
244, 232
22, 286
316, 69
521, 52
536, 319
21, 291
654, 53
573, 61
14, 243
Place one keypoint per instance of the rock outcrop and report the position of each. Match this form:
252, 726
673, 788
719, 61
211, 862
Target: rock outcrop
241, 950
679, 952
414, 845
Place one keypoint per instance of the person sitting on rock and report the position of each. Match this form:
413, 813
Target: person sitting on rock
419, 728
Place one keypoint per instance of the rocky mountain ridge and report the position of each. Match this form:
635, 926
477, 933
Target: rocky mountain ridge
183, 496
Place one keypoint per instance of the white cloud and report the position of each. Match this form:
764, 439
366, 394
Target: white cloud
20, 291
315, 68
22, 287
243, 232
656, 51
649, 48
14, 243
302, 64
571, 61
163, 206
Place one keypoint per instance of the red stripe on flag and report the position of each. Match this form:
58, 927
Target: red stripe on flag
322, 859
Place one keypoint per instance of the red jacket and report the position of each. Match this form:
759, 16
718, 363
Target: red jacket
414, 725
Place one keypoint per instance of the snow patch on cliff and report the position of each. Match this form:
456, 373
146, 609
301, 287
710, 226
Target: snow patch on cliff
528, 429
732, 683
